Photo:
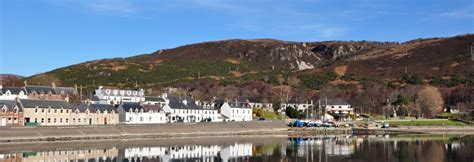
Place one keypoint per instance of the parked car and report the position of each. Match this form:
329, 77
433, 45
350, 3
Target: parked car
385, 125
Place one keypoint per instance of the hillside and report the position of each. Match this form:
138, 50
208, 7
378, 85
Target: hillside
237, 61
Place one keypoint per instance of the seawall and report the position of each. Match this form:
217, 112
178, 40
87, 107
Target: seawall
69, 133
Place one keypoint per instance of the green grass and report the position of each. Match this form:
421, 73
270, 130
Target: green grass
272, 115
425, 123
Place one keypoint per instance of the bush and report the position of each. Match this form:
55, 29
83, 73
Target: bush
292, 113
317, 81
412, 79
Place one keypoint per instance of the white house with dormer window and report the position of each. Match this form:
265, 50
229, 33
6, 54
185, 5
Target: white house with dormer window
116, 96
12, 93
187, 110
135, 113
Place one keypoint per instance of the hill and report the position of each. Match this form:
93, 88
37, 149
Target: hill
238, 61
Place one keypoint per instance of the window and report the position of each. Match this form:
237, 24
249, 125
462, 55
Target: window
141, 119
42, 110
49, 110
55, 111
36, 120
54, 120
67, 120
61, 111
42, 120
36, 110
61, 120
149, 119
49, 120
79, 120
130, 119
73, 120
67, 111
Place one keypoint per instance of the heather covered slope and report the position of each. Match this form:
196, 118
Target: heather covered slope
246, 60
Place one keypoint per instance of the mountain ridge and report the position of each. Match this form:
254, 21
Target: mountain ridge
231, 58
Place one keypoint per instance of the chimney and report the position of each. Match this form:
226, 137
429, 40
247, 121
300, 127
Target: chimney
67, 98
26, 83
185, 102
53, 85
1, 87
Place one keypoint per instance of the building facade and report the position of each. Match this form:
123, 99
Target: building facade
135, 113
236, 111
338, 108
187, 110
11, 113
12, 93
116, 96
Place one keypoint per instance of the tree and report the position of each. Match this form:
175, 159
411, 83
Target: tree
283, 92
292, 112
430, 100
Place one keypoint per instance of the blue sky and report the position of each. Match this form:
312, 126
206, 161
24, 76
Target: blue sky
41, 35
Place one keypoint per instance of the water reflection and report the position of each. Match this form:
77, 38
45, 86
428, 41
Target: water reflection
334, 149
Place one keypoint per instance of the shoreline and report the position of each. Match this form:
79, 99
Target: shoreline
191, 130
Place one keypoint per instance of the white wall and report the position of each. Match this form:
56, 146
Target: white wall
145, 117
236, 114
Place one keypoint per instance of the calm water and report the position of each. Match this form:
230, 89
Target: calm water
325, 149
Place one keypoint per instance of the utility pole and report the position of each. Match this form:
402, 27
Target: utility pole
312, 105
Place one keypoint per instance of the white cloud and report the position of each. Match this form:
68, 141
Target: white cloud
467, 13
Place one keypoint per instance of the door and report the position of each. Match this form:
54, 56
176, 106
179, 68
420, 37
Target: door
105, 121
3, 122
90, 121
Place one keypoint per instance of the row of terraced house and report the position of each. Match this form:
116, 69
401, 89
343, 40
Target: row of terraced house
50, 106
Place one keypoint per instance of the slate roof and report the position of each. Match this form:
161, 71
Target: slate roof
39, 89
129, 105
177, 103
13, 90
335, 101
102, 107
31, 103
10, 105
154, 99
65, 90
147, 108
239, 105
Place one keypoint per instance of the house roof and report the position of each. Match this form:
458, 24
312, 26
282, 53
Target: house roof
39, 89
177, 103
13, 90
102, 107
239, 105
31, 103
82, 107
10, 105
154, 99
65, 90
133, 106
147, 107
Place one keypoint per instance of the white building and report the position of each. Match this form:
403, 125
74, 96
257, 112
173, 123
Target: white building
338, 108
236, 151
135, 113
297, 106
12, 93
149, 100
116, 96
181, 109
236, 111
